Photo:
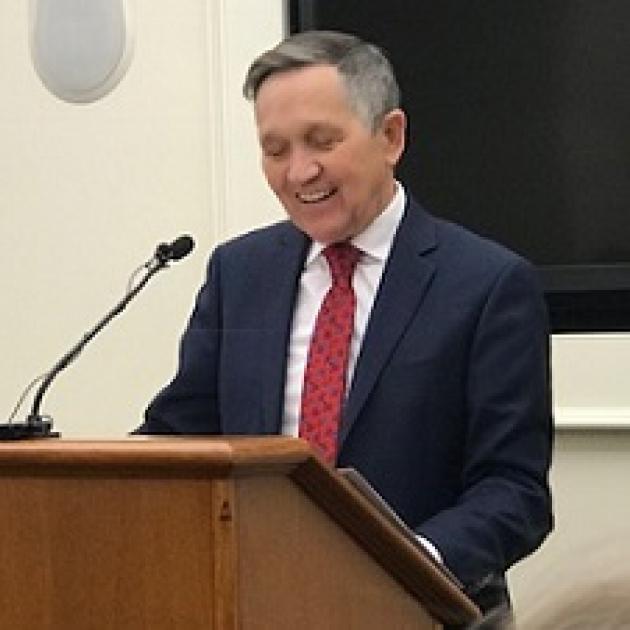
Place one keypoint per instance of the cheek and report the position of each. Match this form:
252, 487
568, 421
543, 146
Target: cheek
353, 163
273, 175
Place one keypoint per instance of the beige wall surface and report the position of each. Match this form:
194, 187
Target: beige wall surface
590, 543
88, 190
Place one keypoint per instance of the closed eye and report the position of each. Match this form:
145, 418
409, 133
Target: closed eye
274, 153
273, 148
322, 144
323, 139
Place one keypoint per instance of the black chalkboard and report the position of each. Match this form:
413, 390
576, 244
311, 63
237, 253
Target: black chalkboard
519, 129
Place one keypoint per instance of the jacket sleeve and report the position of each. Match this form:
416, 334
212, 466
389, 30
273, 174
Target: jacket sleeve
504, 510
189, 403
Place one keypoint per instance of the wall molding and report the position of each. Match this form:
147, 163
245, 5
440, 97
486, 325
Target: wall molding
592, 418
217, 62
239, 195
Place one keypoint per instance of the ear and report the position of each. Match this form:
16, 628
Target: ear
393, 127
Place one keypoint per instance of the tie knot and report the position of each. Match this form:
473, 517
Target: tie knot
342, 259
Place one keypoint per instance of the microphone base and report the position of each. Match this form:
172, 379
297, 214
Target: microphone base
27, 431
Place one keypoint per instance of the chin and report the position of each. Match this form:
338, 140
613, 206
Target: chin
322, 232
328, 237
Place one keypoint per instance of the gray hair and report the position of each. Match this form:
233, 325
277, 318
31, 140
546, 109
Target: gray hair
367, 74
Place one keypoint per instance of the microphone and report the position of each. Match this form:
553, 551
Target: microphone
180, 247
38, 426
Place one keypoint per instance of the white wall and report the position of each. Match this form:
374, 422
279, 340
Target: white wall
590, 470
590, 477
86, 191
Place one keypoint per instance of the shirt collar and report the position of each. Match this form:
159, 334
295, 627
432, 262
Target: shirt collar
377, 238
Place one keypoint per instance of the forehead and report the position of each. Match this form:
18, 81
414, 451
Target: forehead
310, 95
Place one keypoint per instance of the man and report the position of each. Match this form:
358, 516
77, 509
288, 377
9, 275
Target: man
444, 403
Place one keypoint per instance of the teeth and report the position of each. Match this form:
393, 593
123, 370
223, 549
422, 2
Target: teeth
314, 197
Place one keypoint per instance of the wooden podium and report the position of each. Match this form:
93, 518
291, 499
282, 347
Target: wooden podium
167, 533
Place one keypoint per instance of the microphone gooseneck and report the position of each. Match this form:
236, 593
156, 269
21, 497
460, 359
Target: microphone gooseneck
41, 426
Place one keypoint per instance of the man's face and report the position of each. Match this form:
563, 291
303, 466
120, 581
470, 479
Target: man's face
331, 172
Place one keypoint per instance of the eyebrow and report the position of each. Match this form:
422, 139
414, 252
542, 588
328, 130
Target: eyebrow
313, 128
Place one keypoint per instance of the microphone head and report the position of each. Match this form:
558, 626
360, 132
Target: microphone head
180, 247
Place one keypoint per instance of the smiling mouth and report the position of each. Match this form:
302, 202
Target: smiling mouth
315, 197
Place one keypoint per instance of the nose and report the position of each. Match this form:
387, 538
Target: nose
303, 168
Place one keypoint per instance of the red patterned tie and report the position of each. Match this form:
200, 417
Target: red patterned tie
326, 366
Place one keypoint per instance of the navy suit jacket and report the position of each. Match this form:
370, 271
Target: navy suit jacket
448, 413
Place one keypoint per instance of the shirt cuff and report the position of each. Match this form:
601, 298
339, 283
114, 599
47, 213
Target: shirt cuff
431, 548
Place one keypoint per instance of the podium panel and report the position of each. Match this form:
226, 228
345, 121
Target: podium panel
225, 534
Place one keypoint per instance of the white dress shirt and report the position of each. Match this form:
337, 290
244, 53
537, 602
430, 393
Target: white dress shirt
375, 242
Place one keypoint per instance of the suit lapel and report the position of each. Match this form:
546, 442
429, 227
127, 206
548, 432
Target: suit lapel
405, 280
278, 292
